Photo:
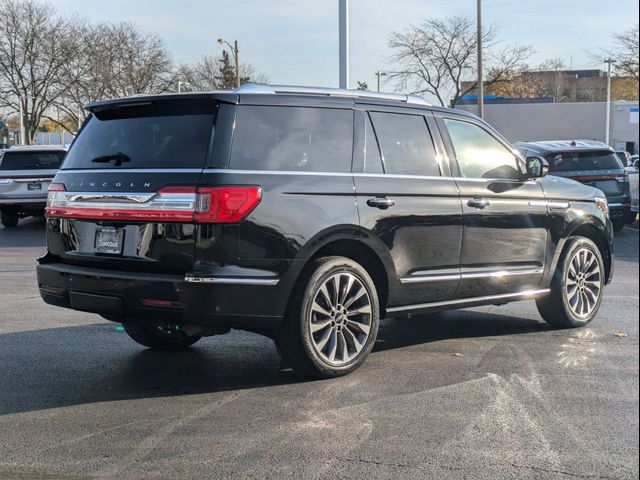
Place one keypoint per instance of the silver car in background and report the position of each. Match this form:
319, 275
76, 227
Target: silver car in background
25, 175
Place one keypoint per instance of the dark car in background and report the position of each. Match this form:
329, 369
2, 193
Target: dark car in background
592, 163
307, 215
25, 175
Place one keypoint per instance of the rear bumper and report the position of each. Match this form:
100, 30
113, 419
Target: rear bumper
160, 298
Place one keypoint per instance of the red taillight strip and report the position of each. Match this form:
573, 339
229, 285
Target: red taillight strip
592, 178
120, 214
171, 204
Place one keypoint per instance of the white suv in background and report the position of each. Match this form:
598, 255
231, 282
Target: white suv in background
25, 175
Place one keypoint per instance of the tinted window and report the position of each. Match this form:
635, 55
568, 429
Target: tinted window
293, 139
480, 154
167, 135
575, 161
407, 148
372, 159
30, 160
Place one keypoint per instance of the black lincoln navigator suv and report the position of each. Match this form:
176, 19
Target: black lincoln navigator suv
307, 215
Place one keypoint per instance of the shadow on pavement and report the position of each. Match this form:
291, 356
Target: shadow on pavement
28, 233
60, 367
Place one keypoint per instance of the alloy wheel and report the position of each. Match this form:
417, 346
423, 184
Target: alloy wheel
340, 319
583, 283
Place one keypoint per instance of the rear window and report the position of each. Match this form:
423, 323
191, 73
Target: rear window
31, 160
172, 134
576, 161
293, 139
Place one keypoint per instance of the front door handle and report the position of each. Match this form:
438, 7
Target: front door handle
478, 203
381, 202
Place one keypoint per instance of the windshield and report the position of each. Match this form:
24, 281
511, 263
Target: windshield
590, 160
166, 134
30, 160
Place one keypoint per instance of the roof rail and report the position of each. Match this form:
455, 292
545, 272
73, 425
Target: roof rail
260, 88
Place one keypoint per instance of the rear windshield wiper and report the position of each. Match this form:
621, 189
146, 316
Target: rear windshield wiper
119, 158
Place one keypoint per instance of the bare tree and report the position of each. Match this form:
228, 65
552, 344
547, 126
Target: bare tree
625, 51
207, 74
34, 46
112, 60
437, 55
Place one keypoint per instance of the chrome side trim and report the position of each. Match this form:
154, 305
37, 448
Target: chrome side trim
233, 280
488, 299
550, 204
429, 278
502, 273
276, 172
131, 170
418, 278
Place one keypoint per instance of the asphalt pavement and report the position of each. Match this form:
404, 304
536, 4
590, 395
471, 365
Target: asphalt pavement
487, 393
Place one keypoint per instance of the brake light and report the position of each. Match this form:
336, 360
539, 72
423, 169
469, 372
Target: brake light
226, 204
56, 187
181, 204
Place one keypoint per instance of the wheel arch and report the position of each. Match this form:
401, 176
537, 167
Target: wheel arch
357, 250
594, 232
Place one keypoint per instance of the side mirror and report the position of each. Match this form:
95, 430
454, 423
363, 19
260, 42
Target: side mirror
537, 167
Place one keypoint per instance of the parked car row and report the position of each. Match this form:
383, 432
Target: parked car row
307, 215
592, 163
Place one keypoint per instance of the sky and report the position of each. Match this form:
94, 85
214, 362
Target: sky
296, 41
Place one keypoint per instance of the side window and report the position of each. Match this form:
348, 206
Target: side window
372, 159
293, 139
405, 141
479, 154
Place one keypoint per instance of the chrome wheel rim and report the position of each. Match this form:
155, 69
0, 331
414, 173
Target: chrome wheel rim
340, 319
583, 283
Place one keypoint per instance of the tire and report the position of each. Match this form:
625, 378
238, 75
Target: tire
158, 338
631, 218
9, 217
324, 334
580, 270
619, 223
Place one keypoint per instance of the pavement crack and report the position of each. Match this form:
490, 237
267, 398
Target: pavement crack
374, 462
562, 472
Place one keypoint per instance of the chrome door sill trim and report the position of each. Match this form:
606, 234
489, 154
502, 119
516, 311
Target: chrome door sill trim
528, 294
233, 281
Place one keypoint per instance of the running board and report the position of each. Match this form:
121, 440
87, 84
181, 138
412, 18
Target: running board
470, 302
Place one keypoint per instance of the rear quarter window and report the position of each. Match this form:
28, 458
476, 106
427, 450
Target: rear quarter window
292, 139
31, 160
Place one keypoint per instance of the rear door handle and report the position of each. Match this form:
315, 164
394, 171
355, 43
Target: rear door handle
381, 202
478, 203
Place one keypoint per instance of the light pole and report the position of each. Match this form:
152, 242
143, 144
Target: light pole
480, 77
21, 120
607, 127
236, 56
379, 74
344, 43
181, 83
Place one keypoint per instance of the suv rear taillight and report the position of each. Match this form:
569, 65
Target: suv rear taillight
170, 204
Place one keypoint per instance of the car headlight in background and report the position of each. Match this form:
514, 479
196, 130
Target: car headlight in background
603, 205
